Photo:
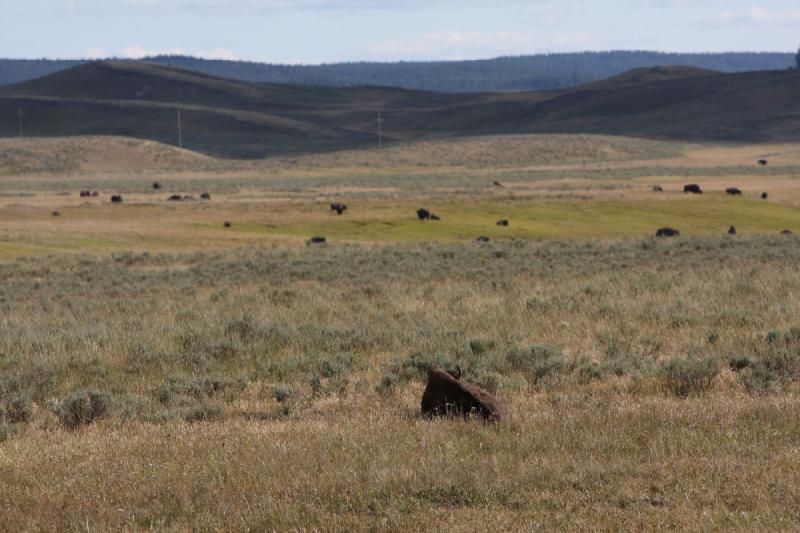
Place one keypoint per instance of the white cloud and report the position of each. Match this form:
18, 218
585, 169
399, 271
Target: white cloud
760, 15
456, 45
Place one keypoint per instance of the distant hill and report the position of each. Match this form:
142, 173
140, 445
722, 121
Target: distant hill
236, 119
523, 73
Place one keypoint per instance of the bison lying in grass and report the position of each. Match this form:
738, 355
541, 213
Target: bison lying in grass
446, 394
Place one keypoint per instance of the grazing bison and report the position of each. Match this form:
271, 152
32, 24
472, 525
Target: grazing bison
482, 238
85, 194
175, 198
498, 184
206, 196
339, 208
116, 199
658, 188
317, 240
692, 188
733, 191
503, 222
435, 217
423, 214
732, 230
56, 213
446, 394
227, 224
763, 162
667, 232
156, 185
764, 196
786, 232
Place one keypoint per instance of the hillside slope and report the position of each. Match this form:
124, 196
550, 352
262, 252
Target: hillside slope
241, 120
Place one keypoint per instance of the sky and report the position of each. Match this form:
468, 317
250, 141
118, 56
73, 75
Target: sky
327, 31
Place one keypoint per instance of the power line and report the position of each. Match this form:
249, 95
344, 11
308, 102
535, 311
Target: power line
180, 131
380, 131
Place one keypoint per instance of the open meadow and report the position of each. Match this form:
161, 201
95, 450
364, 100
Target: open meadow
159, 370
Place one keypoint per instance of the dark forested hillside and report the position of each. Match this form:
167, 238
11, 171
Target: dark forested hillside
540, 72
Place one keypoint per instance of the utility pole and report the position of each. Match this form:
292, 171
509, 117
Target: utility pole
19, 115
180, 131
380, 131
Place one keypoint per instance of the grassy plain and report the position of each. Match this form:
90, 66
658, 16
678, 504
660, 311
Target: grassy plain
158, 371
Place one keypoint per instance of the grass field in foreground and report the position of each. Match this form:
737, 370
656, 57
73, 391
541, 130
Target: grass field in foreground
652, 385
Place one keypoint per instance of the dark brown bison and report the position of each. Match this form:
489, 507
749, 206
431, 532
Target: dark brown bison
498, 184
763, 162
692, 188
435, 218
175, 198
227, 224
446, 394
667, 232
116, 198
317, 240
206, 196
156, 185
733, 191
786, 232
482, 238
732, 230
85, 194
423, 214
658, 188
503, 222
56, 213
339, 208
764, 196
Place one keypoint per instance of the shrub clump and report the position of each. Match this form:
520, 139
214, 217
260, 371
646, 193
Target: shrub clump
689, 376
539, 361
83, 408
17, 409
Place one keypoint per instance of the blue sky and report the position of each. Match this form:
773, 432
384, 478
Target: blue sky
314, 31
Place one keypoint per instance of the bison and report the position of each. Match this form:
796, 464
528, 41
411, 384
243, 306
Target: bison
156, 185
85, 194
482, 238
733, 191
227, 224
56, 213
667, 232
692, 188
339, 208
116, 198
317, 240
763, 162
435, 218
175, 198
423, 214
764, 196
786, 232
498, 184
658, 188
206, 196
732, 230
503, 222
446, 394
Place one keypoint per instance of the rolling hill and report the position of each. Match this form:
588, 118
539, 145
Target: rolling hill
519, 73
233, 119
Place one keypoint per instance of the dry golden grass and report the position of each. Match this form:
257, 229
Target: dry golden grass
253, 382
